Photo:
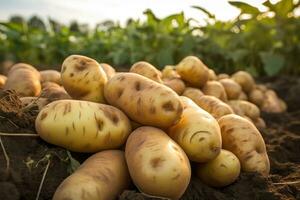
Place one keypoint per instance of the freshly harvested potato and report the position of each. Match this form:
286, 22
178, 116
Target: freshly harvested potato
103, 176
272, 103
50, 76
232, 89
212, 75
193, 71
245, 108
40, 102
109, 70
24, 79
169, 72
83, 78
53, 91
2, 80
243, 96
262, 87
216, 89
175, 84
143, 100
259, 123
257, 97
221, 171
82, 126
223, 76
192, 93
245, 80
214, 106
157, 165
147, 70
197, 133
242, 138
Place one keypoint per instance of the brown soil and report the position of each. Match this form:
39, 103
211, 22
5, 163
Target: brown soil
29, 156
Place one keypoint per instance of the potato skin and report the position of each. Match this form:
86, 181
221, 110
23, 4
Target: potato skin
169, 72
221, 171
272, 103
109, 70
212, 75
245, 80
103, 176
50, 76
192, 93
223, 76
193, 71
214, 106
82, 126
243, 96
242, 138
175, 84
143, 100
53, 91
216, 89
257, 97
2, 80
24, 79
146, 69
157, 165
232, 89
197, 133
83, 78
245, 108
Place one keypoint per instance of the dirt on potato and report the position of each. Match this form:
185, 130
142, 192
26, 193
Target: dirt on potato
30, 158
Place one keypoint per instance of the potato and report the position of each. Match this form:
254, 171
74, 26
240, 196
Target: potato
272, 103
157, 165
245, 108
143, 100
197, 133
24, 79
213, 105
40, 102
243, 96
243, 139
212, 75
216, 89
259, 123
83, 78
192, 93
103, 176
175, 84
257, 97
221, 171
223, 76
109, 70
2, 80
146, 69
193, 71
53, 91
232, 89
82, 126
262, 87
245, 80
50, 76
169, 72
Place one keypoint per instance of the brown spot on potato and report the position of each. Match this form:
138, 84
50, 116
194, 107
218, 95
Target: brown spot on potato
152, 110
101, 177
63, 69
44, 115
86, 73
73, 125
168, 106
140, 143
80, 67
83, 130
120, 92
111, 115
54, 118
222, 165
215, 149
156, 162
230, 130
67, 131
201, 139
248, 157
137, 86
99, 123
79, 115
67, 108
121, 78
87, 81
198, 132
71, 74
176, 177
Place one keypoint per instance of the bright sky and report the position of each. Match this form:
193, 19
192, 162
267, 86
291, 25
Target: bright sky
93, 11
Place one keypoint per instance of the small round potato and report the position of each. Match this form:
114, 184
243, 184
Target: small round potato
169, 72
221, 171
245, 108
157, 165
103, 176
143, 100
82, 126
242, 138
175, 84
232, 89
109, 70
50, 76
2, 80
257, 97
146, 69
193, 71
245, 80
197, 133
223, 76
83, 78
272, 103
53, 91
216, 89
192, 93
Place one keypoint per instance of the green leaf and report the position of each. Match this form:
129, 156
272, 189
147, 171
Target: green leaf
73, 165
281, 8
273, 63
210, 15
245, 8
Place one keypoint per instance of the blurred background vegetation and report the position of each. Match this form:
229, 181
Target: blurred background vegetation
263, 43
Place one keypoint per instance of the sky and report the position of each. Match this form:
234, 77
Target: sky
94, 11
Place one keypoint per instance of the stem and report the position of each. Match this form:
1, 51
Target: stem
10, 121
5, 155
20, 134
43, 178
287, 183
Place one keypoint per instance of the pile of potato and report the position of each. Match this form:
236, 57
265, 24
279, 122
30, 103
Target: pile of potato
148, 126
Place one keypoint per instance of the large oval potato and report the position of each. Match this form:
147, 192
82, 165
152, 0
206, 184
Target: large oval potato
242, 138
245, 80
193, 71
143, 100
157, 165
245, 108
232, 89
146, 69
2, 80
221, 171
50, 76
216, 89
82, 126
83, 78
197, 133
213, 105
109, 70
24, 79
175, 84
103, 176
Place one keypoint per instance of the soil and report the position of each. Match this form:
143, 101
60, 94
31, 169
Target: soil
30, 158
